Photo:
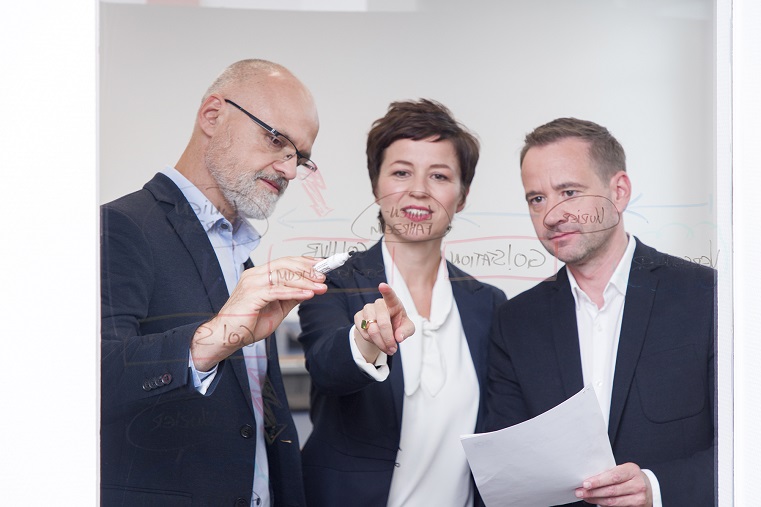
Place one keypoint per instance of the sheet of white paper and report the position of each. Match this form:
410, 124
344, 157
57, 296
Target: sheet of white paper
540, 462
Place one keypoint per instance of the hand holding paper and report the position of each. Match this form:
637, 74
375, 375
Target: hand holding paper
544, 460
625, 482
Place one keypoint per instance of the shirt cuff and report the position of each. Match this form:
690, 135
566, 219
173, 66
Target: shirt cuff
201, 379
655, 487
377, 370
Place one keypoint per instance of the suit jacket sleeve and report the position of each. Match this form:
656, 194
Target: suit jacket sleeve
137, 364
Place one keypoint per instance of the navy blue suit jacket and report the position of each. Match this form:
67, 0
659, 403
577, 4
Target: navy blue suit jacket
349, 457
163, 443
662, 406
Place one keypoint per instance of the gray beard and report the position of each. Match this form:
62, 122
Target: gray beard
241, 191
244, 194
247, 199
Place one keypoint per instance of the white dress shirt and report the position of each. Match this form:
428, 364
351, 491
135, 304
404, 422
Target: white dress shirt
233, 244
431, 467
599, 333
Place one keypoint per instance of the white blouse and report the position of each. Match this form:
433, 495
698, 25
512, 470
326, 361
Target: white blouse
441, 398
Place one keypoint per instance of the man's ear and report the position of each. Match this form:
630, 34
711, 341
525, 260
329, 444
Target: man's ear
209, 113
621, 190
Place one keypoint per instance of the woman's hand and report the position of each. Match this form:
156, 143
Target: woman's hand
381, 325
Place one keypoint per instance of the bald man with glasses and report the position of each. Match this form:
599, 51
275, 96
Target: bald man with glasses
193, 408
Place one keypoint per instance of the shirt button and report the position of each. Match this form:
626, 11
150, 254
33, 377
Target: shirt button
246, 431
599, 384
224, 226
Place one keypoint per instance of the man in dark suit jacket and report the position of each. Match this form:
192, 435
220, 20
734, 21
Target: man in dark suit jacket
636, 324
188, 417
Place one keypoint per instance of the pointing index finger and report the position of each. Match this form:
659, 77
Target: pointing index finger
402, 325
393, 303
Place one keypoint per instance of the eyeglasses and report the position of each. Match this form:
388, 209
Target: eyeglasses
278, 144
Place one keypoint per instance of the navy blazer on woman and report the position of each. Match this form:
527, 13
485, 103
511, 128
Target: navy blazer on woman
662, 405
163, 443
349, 457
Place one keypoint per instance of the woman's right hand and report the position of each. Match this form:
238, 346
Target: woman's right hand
385, 325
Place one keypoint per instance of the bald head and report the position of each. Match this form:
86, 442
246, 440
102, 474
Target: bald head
244, 71
267, 82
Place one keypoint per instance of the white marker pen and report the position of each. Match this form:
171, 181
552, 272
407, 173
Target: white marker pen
332, 262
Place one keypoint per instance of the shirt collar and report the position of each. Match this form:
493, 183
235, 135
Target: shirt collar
244, 234
619, 280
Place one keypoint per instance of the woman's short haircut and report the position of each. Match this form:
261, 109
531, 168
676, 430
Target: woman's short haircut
419, 120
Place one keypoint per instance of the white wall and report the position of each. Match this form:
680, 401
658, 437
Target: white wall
746, 39
644, 69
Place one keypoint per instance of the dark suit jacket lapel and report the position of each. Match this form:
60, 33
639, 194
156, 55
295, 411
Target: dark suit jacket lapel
238, 362
640, 295
565, 333
274, 399
191, 233
369, 271
474, 305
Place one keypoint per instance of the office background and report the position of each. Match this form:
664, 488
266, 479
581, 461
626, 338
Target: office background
51, 126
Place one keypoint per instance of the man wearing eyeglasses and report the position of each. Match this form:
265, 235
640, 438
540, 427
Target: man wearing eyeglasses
193, 408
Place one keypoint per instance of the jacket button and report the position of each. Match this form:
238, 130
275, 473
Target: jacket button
242, 502
246, 431
147, 385
166, 378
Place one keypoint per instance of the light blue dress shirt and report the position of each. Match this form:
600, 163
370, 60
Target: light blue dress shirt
233, 244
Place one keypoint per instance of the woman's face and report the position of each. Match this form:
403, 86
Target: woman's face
419, 189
